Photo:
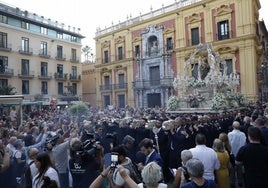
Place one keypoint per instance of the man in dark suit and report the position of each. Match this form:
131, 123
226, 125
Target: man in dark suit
146, 146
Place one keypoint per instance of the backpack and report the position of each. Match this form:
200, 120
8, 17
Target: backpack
26, 177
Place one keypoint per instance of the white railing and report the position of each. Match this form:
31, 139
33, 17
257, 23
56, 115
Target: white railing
169, 8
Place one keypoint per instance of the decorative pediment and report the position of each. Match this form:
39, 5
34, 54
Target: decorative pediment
194, 18
136, 39
226, 49
169, 30
120, 39
104, 69
118, 67
106, 44
224, 9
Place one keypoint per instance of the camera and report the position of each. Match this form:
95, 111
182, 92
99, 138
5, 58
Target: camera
111, 135
114, 159
51, 141
84, 151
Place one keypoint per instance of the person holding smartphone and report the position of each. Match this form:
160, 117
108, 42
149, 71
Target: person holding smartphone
124, 161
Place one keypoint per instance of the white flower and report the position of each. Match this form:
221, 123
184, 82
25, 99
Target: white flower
173, 103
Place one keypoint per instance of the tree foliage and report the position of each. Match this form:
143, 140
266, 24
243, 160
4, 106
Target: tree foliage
79, 109
7, 90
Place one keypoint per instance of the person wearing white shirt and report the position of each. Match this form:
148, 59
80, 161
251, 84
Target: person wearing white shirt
237, 139
45, 171
206, 155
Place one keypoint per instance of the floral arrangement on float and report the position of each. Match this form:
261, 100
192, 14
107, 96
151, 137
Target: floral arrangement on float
223, 101
173, 103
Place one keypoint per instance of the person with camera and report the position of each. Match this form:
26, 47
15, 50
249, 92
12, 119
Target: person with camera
125, 162
85, 162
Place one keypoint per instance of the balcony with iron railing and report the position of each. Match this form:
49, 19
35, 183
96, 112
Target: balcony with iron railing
74, 60
106, 87
120, 86
145, 84
44, 76
25, 51
61, 76
109, 87
5, 47
26, 74
75, 78
6, 72
60, 57
44, 54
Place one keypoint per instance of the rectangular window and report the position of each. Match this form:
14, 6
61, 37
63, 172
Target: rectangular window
121, 79
3, 40
73, 39
121, 101
25, 25
43, 48
169, 43
195, 36
59, 52
43, 31
223, 30
25, 45
25, 87
154, 75
44, 69
60, 70
74, 91
106, 100
106, 56
3, 82
106, 80
60, 88
73, 58
120, 53
59, 35
3, 19
137, 51
74, 71
3, 64
25, 67
44, 88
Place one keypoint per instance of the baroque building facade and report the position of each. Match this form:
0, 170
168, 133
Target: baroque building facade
39, 56
138, 59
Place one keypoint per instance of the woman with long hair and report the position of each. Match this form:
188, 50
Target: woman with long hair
45, 170
222, 174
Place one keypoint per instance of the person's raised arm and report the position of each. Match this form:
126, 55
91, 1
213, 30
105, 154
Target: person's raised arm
98, 181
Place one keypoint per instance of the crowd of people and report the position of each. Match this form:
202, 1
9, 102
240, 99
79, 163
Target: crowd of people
135, 148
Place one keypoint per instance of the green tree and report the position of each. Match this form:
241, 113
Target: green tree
7, 90
38, 97
79, 109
